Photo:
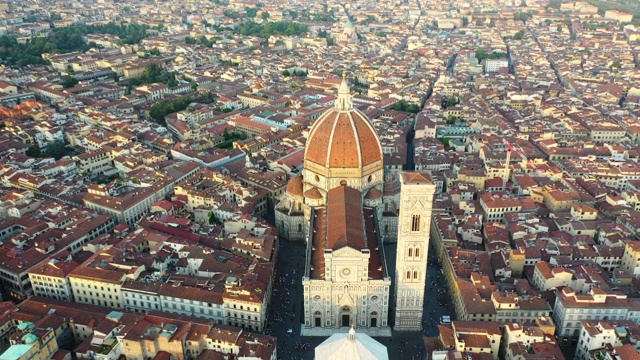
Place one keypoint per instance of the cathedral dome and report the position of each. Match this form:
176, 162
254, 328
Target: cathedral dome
294, 187
348, 25
343, 137
373, 194
313, 193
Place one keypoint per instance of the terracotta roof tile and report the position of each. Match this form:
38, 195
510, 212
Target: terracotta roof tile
345, 219
342, 139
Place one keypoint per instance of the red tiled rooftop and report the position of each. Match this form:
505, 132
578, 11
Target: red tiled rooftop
345, 219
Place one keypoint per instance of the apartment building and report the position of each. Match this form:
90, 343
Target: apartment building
50, 278
494, 65
473, 300
597, 336
99, 280
132, 205
571, 308
558, 200
251, 127
546, 277
529, 342
472, 337
203, 302
141, 295
105, 334
34, 246
511, 307
443, 233
631, 258
251, 101
92, 162
495, 206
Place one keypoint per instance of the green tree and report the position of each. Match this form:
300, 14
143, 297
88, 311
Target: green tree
57, 149
368, 20
519, 35
251, 12
265, 15
226, 134
207, 97
159, 110
34, 151
251, 28
213, 219
64, 40
403, 105
482, 54
286, 73
69, 81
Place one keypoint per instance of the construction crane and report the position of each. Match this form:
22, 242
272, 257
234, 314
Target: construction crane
511, 147
505, 174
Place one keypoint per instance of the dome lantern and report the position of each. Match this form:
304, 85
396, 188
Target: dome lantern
344, 101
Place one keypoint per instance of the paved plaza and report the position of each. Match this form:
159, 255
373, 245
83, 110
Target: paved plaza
286, 315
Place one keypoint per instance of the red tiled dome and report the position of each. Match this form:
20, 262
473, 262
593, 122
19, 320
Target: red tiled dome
294, 187
343, 139
373, 194
313, 193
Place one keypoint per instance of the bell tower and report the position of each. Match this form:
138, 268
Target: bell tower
414, 223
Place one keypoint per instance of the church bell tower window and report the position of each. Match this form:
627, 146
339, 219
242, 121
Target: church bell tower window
415, 223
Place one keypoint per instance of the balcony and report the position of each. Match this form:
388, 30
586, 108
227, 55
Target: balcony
106, 349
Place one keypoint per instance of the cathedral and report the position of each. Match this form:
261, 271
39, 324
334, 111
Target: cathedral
348, 34
338, 207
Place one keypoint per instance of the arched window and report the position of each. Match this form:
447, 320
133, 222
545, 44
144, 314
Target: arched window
408, 275
299, 227
415, 223
410, 252
415, 274
299, 207
417, 253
